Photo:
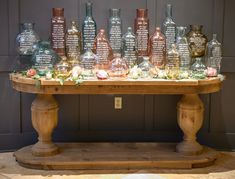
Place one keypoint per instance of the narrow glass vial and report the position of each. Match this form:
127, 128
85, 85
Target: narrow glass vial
88, 28
197, 41
157, 49
213, 56
44, 58
73, 43
129, 47
58, 31
142, 31
26, 40
183, 48
172, 62
88, 62
103, 50
169, 27
115, 30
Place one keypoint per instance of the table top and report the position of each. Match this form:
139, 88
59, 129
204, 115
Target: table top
126, 86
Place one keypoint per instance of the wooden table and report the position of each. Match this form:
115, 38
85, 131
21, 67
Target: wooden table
187, 154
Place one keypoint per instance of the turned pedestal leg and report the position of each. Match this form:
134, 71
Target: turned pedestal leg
190, 117
44, 118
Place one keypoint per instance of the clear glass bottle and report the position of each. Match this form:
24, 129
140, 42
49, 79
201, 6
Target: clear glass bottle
44, 58
88, 28
129, 47
26, 40
183, 48
58, 29
115, 30
198, 69
118, 67
88, 62
197, 41
172, 62
213, 56
146, 68
73, 43
142, 31
103, 50
169, 27
157, 49
62, 69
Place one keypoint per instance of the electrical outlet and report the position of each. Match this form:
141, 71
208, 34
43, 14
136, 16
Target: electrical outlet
117, 102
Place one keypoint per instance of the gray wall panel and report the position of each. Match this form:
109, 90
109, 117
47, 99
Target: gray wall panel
4, 30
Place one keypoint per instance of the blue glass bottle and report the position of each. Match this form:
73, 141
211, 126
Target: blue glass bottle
88, 28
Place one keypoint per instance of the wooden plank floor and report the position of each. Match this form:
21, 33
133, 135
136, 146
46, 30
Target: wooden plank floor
115, 156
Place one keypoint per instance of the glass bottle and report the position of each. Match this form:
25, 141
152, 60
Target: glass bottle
62, 69
44, 58
142, 31
73, 43
115, 30
198, 69
213, 56
58, 31
103, 50
172, 62
197, 41
183, 48
26, 40
146, 68
88, 28
88, 62
118, 67
157, 49
129, 47
169, 27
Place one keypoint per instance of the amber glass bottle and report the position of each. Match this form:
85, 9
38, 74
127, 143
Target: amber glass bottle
58, 31
103, 50
197, 41
142, 31
157, 48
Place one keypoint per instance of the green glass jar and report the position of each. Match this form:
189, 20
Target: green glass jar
44, 58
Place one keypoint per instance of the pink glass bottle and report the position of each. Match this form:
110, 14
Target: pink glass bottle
142, 31
103, 50
157, 48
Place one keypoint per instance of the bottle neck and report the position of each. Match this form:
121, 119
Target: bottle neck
214, 37
115, 12
181, 31
89, 9
129, 30
169, 11
27, 26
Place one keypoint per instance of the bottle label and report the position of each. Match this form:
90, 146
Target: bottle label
173, 61
184, 55
58, 34
73, 45
170, 36
27, 44
198, 44
115, 36
89, 33
88, 64
142, 35
102, 52
43, 62
158, 52
129, 52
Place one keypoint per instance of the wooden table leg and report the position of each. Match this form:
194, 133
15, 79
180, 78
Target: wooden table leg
190, 117
44, 118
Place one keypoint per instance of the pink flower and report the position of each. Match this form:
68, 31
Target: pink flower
31, 72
